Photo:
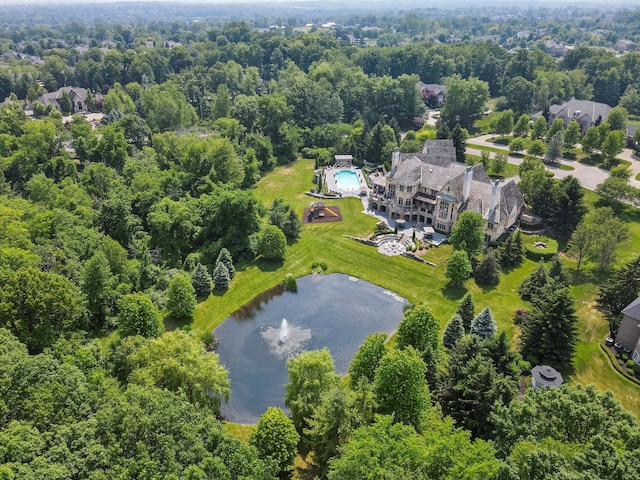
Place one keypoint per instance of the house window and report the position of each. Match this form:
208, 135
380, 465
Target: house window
407, 202
490, 226
409, 189
444, 210
434, 192
636, 357
441, 226
79, 105
401, 188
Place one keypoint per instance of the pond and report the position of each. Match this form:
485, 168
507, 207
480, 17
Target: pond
334, 311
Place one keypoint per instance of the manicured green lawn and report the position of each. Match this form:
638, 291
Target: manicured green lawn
413, 280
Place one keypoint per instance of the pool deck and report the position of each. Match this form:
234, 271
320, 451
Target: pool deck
332, 185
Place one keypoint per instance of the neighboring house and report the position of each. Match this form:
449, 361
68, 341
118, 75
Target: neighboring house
171, 44
432, 94
543, 376
78, 97
585, 112
431, 187
629, 332
555, 49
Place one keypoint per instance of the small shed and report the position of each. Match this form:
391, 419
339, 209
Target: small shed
344, 161
544, 376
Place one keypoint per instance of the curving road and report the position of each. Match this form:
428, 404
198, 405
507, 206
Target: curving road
588, 175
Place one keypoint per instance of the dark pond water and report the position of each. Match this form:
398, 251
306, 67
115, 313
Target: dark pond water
334, 311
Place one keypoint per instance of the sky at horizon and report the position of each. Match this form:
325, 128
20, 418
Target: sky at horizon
391, 3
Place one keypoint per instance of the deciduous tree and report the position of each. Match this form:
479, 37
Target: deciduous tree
409, 403
467, 234
276, 438
366, 359
458, 267
38, 306
137, 315
181, 297
272, 244
311, 374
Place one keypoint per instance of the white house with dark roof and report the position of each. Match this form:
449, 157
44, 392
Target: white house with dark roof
433, 188
629, 331
586, 112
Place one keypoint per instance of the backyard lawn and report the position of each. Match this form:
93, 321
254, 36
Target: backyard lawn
413, 280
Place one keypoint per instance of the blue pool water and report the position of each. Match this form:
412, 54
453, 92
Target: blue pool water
347, 180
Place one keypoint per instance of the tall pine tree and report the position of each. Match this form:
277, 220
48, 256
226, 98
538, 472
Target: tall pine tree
221, 277
534, 283
483, 325
453, 332
549, 335
488, 270
466, 310
225, 257
201, 280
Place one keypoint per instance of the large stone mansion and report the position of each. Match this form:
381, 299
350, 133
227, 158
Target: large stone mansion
433, 188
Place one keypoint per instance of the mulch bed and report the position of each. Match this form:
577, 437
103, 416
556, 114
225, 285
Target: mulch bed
306, 216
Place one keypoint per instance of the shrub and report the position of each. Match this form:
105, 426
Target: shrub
521, 316
289, 283
631, 365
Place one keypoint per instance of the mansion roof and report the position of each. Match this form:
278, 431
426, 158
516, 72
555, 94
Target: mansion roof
435, 169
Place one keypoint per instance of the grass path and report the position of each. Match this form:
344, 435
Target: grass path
413, 280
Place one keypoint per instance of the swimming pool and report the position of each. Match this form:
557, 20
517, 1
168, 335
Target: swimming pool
347, 180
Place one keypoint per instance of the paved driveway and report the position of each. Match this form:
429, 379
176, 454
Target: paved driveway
588, 175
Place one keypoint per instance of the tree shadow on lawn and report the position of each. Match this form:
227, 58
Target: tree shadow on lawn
453, 292
486, 288
172, 323
269, 265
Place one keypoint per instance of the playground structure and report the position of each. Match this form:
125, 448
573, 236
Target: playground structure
319, 212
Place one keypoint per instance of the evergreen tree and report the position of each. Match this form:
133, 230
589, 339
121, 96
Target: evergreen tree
488, 270
292, 225
459, 136
221, 277
225, 257
201, 280
483, 325
453, 332
511, 252
554, 148
466, 310
534, 283
557, 273
568, 207
622, 289
472, 386
549, 336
